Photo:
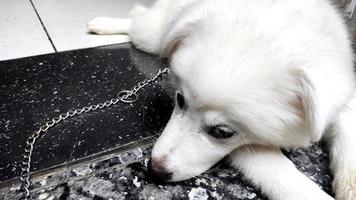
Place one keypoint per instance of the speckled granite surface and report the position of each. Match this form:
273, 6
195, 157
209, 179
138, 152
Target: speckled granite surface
36, 89
122, 176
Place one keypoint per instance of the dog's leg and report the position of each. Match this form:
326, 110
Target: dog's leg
148, 26
275, 174
109, 25
145, 27
342, 140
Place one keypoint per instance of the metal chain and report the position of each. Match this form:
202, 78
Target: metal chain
124, 96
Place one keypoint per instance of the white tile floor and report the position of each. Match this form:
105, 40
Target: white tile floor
22, 34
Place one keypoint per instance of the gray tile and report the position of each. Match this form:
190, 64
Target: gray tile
66, 21
21, 33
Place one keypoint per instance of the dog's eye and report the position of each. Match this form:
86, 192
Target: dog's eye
220, 132
180, 100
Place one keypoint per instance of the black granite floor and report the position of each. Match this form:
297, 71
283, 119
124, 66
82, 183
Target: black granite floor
34, 90
102, 154
122, 176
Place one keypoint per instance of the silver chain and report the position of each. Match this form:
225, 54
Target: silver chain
124, 96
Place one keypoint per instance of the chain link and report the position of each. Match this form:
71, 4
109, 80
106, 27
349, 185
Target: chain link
124, 96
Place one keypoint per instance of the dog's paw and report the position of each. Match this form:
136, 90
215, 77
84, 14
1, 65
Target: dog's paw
100, 25
345, 189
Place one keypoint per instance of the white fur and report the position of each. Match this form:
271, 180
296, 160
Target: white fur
277, 72
109, 25
342, 138
268, 166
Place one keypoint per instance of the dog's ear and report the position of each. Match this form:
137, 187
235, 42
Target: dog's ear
174, 38
310, 103
178, 31
171, 42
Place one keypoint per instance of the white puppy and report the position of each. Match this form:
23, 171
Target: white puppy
253, 76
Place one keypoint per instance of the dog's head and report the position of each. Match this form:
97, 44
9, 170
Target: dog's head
231, 92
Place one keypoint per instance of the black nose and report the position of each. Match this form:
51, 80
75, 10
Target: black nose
157, 172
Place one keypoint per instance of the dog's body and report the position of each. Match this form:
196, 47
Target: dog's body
253, 76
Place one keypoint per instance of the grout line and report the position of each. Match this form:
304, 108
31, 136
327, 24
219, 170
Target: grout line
43, 26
